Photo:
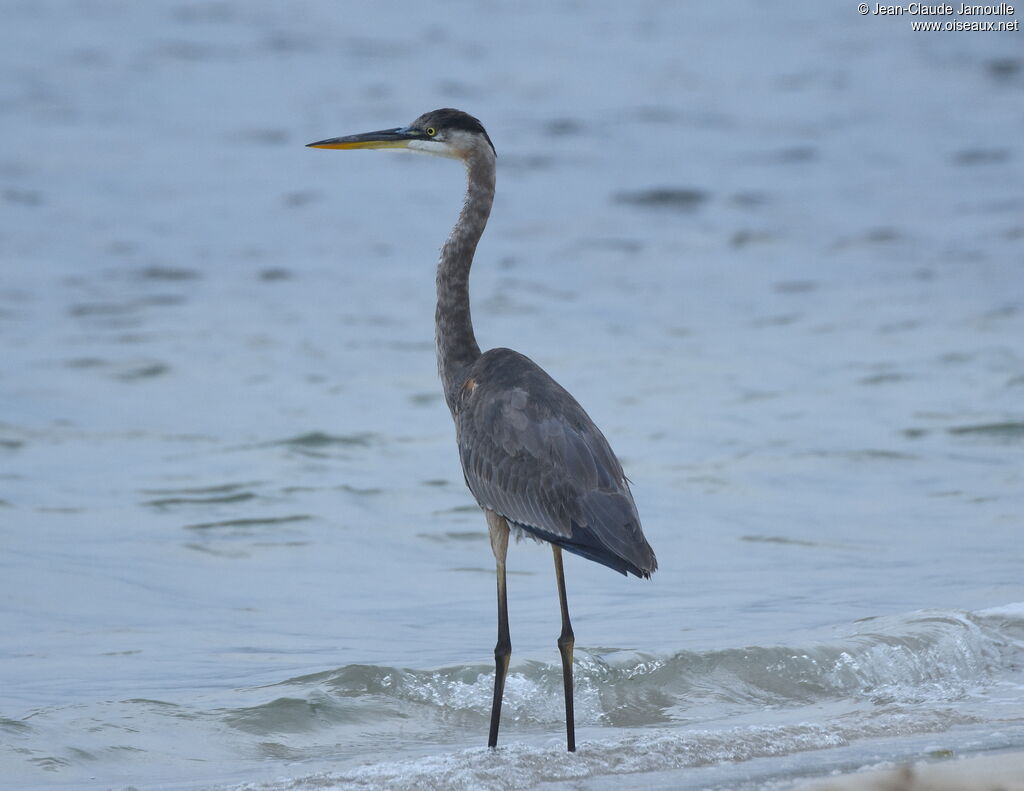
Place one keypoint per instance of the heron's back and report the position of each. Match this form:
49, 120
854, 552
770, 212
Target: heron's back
532, 454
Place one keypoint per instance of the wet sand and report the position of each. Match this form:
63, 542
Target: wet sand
1002, 772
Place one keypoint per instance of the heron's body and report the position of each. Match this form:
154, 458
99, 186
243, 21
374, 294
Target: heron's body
531, 455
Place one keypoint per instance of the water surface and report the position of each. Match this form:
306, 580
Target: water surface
777, 256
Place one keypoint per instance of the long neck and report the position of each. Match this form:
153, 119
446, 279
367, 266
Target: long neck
456, 343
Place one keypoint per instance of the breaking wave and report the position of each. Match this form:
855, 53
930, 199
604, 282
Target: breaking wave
892, 677
931, 657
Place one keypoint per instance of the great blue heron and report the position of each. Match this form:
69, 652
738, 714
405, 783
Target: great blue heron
531, 456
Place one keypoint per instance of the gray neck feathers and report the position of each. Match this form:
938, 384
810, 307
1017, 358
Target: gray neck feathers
456, 343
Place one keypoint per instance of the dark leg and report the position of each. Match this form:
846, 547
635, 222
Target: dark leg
498, 529
565, 644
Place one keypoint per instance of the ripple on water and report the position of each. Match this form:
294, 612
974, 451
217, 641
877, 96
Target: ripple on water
1005, 431
686, 199
455, 535
250, 522
237, 497
359, 491
132, 370
225, 493
321, 444
779, 540
161, 272
14, 726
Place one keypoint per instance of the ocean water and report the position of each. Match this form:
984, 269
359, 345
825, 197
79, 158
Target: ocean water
778, 255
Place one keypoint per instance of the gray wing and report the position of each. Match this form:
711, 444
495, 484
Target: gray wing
530, 453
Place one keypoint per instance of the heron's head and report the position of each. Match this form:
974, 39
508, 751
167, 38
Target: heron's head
445, 132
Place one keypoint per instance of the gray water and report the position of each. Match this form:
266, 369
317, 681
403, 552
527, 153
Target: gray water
775, 252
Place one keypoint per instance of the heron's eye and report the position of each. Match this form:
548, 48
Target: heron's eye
430, 131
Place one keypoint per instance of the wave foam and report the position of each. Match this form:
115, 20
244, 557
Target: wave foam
929, 657
519, 766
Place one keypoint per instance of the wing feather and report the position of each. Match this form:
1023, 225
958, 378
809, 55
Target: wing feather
532, 454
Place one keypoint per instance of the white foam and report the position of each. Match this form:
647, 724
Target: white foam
520, 766
1013, 610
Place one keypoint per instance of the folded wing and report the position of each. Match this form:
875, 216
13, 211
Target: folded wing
532, 454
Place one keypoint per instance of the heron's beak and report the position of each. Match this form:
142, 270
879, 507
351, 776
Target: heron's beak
385, 138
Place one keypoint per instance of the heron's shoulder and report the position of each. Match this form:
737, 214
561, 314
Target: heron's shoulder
506, 368
509, 399
506, 374
506, 362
